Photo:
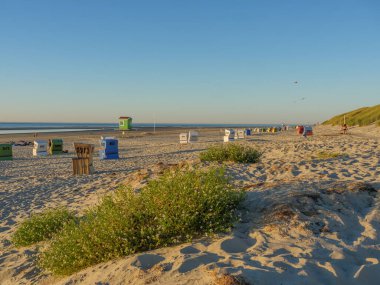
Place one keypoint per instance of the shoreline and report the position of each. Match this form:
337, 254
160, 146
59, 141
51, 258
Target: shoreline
141, 126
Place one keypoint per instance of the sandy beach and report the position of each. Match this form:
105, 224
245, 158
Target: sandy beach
305, 219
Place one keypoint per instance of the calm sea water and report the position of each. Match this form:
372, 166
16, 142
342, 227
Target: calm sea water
19, 128
25, 126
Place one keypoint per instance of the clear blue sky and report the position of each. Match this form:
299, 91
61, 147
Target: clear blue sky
187, 61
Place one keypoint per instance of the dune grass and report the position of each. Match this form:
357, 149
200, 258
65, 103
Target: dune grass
176, 207
359, 117
231, 152
322, 155
41, 227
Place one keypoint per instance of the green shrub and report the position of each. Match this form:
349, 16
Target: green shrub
231, 152
41, 227
177, 207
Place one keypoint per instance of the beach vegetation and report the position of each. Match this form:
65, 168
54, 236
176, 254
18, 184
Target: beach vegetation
228, 279
360, 117
231, 152
40, 227
322, 155
178, 206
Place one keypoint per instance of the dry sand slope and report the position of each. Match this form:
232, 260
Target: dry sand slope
305, 220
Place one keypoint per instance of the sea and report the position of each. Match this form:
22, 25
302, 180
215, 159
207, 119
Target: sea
25, 128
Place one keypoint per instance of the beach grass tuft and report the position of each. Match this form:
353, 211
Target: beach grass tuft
322, 155
178, 206
40, 227
231, 152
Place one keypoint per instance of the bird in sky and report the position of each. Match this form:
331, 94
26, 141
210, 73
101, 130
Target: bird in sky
301, 99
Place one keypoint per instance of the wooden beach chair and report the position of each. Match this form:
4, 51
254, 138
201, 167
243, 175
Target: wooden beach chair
83, 163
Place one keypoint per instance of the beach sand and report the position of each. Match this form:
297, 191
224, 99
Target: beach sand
305, 220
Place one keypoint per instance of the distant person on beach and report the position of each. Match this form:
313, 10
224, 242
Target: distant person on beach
344, 129
304, 134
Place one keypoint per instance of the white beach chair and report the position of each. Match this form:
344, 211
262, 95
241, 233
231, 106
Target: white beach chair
229, 135
229, 132
183, 139
240, 134
40, 148
228, 139
193, 136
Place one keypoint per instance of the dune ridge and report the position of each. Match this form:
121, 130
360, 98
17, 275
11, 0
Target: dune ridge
360, 117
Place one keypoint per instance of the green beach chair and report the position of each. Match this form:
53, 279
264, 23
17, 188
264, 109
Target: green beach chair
55, 146
6, 152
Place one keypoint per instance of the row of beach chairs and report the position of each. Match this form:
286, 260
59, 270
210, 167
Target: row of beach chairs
230, 135
40, 148
237, 134
109, 148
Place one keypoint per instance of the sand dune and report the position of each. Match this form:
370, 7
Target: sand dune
306, 220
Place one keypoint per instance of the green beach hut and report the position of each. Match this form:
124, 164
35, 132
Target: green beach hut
125, 123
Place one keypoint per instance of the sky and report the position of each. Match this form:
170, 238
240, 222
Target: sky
193, 61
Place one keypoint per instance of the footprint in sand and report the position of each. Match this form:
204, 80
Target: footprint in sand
237, 245
204, 259
368, 272
295, 171
147, 261
333, 176
189, 250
